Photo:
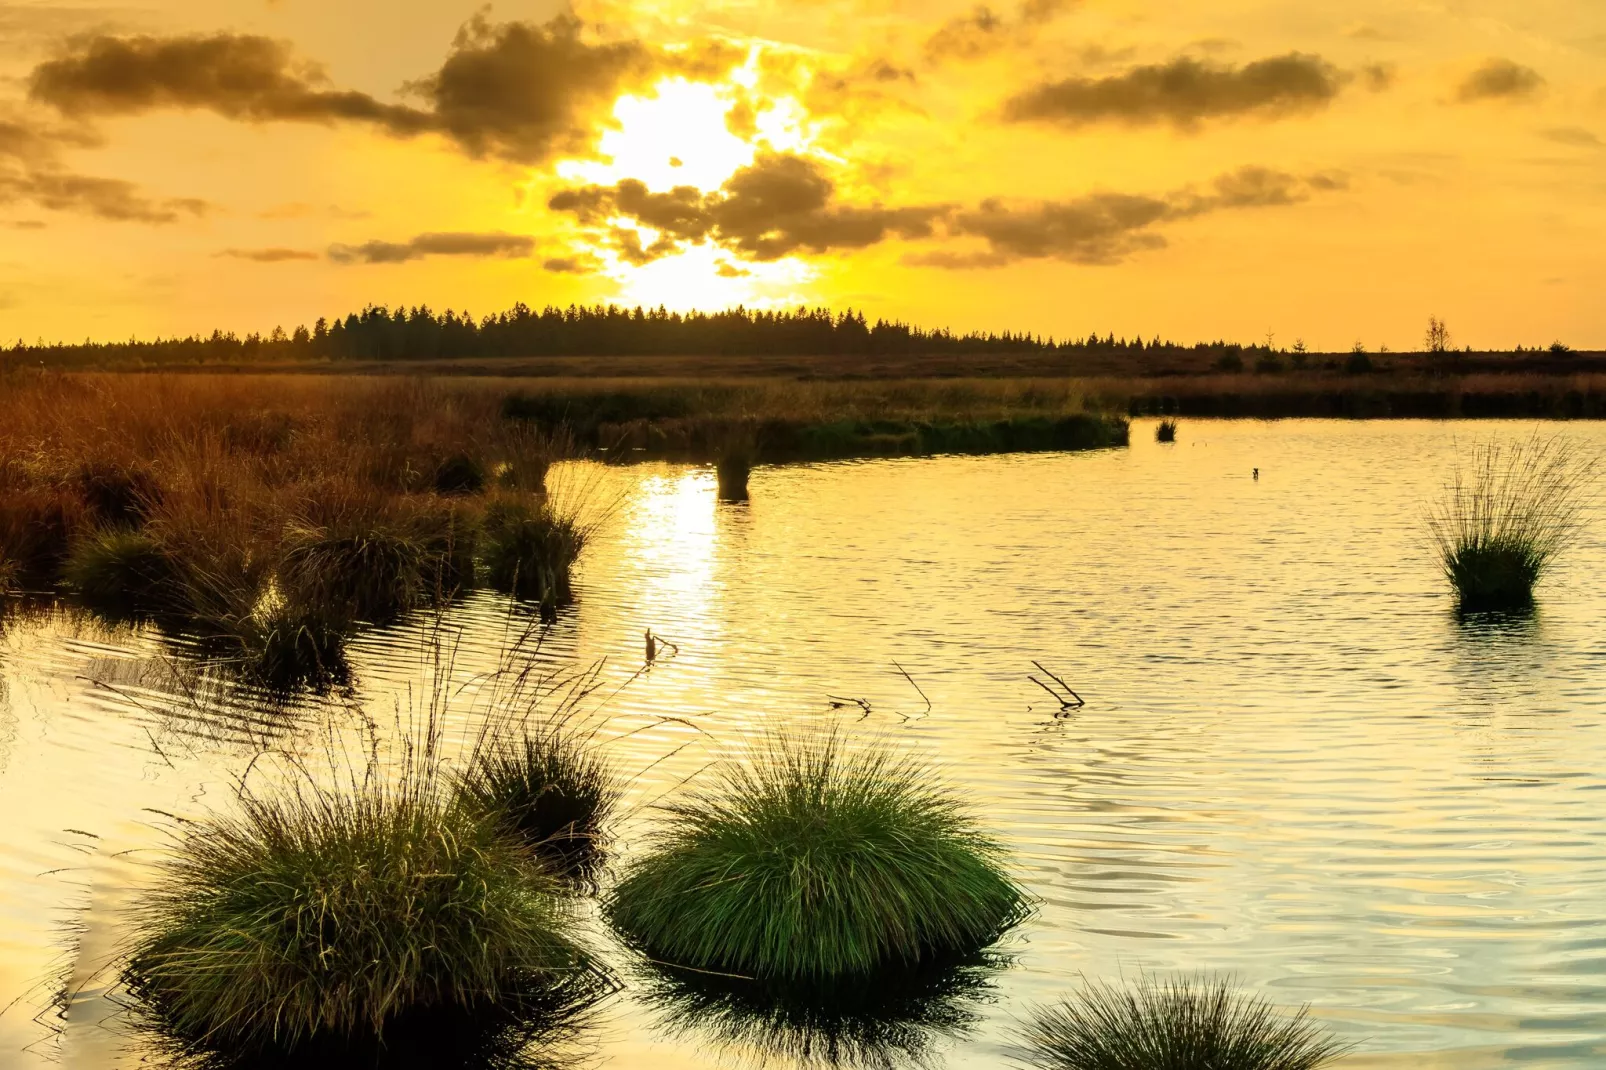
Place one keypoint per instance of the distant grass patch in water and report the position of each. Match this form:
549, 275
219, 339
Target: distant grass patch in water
1173, 1025
547, 790
1506, 516
1084, 431
321, 923
732, 470
1166, 431
809, 863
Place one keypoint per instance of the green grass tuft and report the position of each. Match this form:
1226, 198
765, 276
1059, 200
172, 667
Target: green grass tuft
125, 571
1506, 517
549, 792
324, 921
529, 549
811, 863
1174, 1025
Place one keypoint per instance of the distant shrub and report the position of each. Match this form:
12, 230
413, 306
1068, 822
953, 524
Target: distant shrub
1230, 362
1269, 364
809, 864
1357, 363
1176, 1025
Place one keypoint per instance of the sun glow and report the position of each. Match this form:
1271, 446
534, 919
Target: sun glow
678, 135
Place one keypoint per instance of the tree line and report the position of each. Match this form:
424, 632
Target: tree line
381, 333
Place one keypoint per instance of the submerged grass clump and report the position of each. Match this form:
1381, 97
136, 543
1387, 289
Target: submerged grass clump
810, 863
548, 791
733, 468
1173, 1025
1506, 517
323, 921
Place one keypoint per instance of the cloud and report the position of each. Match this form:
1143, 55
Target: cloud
525, 93
105, 198
273, 255
578, 264
780, 205
448, 244
516, 91
1576, 136
983, 31
238, 76
1106, 228
1499, 79
32, 172
1184, 92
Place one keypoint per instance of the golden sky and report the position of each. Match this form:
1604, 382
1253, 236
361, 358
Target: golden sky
1214, 168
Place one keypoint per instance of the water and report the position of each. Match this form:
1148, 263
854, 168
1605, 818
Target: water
1295, 765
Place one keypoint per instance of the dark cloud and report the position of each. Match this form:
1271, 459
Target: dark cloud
516, 91
780, 205
273, 255
450, 244
106, 198
32, 172
1106, 228
578, 264
982, 30
1184, 92
238, 76
1576, 136
1499, 79
525, 92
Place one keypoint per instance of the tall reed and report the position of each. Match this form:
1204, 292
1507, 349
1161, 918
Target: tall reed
1506, 516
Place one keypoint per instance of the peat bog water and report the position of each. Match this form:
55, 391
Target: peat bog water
1295, 766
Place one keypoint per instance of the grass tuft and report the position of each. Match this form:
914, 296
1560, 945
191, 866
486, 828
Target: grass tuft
1174, 1025
733, 468
325, 921
545, 789
810, 863
529, 549
1166, 432
124, 571
461, 473
372, 571
1505, 518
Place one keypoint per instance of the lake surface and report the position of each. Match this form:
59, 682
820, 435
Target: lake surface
1296, 766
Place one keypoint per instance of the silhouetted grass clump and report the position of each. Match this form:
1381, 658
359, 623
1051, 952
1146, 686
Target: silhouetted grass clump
810, 863
547, 790
118, 494
529, 548
1506, 517
37, 526
282, 644
732, 470
369, 570
122, 571
1166, 431
321, 922
1173, 1025
461, 473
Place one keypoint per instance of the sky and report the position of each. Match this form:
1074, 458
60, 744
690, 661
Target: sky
1242, 169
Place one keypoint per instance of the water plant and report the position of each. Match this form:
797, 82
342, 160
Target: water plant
1183, 1024
809, 862
370, 569
546, 788
122, 571
1166, 431
529, 547
1505, 518
732, 470
324, 920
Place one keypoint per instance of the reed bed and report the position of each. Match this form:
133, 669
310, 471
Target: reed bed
1174, 1025
1505, 518
809, 863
